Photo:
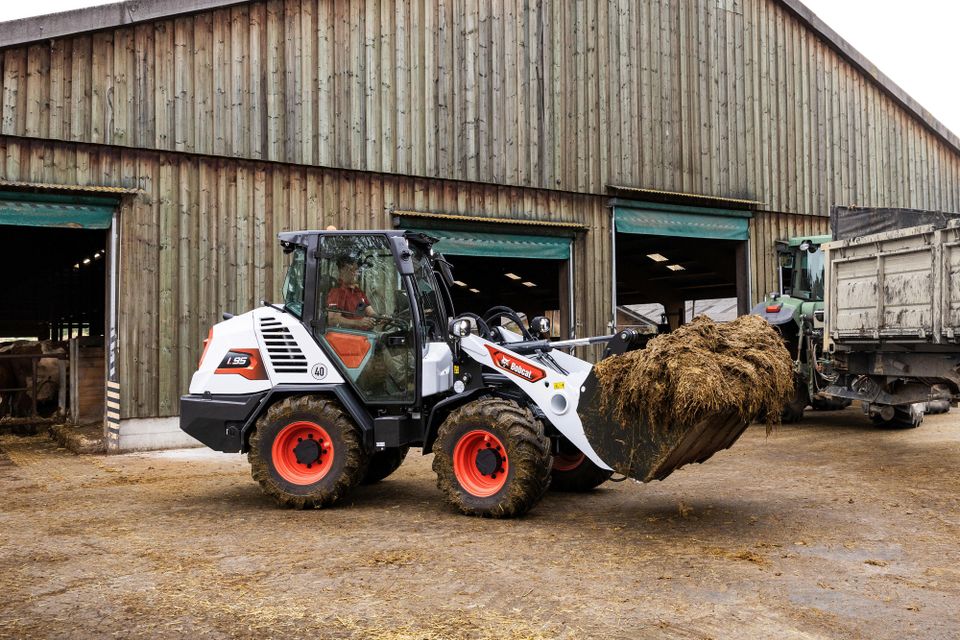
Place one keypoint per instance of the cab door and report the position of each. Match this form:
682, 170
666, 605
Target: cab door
363, 317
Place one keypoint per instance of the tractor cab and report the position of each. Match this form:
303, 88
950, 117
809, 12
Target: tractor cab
800, 284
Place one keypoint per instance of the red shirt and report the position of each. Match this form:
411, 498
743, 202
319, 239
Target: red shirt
349, 300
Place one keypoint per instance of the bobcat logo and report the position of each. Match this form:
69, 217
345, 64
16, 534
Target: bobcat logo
515, 366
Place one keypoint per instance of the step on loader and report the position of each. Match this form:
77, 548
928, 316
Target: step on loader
365, 358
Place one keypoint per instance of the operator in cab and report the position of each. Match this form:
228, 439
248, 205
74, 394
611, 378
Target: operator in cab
347, 303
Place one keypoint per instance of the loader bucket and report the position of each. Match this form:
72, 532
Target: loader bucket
645, 453
685, 395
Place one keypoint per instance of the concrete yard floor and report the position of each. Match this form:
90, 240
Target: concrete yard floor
827, 529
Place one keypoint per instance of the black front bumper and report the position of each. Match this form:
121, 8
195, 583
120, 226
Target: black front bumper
218, 420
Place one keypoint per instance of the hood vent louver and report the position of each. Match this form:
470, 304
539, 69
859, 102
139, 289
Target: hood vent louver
282, 350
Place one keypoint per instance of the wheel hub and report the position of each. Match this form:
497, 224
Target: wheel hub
308, 451
489, 462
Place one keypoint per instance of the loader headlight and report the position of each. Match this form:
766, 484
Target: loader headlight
460, 328
541, 326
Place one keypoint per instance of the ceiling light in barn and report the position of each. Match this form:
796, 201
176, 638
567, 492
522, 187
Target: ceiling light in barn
513, 276
86, 261
656, 257
96, 256
76, 266
528, 284
474, 290
675, 267
459, 283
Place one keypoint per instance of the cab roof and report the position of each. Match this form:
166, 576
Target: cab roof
817, 240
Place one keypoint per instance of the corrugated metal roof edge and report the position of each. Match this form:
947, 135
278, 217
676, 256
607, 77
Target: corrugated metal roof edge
54, 25
99, 18
467, 218
68, 188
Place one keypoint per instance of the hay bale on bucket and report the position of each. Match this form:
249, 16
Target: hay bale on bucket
688, 394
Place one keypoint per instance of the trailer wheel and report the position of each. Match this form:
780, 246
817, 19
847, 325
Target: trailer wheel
575, 473
904, 417
306, 452
383, 463
492, 459
936, 407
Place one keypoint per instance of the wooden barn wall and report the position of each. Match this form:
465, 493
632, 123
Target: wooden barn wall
732, 97
765, 229
201, 239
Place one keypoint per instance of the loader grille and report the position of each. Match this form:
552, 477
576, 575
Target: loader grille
282, 350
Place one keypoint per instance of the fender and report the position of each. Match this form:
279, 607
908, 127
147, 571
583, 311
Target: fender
440, 411
342, 392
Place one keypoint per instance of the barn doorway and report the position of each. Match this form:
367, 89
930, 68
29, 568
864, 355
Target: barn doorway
55, 254
672, 263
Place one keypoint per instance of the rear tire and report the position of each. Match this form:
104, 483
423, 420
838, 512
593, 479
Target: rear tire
291, 468
793, 411
383, 463
575, 473
909, 416
492, 459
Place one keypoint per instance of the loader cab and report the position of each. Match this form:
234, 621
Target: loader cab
373, 303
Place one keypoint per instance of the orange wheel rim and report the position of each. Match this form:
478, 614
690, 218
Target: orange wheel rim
302, 453
567, 461
480, 463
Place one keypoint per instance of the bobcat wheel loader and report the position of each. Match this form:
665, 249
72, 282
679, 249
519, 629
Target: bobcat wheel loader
366, 358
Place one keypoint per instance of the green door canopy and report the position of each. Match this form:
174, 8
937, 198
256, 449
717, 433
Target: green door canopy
72, 215
661, 221
499, 245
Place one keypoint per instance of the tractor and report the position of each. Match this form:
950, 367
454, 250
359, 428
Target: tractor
797, 311
364, 358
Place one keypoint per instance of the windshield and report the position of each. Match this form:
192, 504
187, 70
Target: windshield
809, 275
293, 282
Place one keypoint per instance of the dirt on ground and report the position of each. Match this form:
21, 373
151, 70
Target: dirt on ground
827, 529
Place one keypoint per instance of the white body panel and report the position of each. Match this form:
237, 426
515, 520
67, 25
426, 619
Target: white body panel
289, 354
283, 342
556, 394
437, 369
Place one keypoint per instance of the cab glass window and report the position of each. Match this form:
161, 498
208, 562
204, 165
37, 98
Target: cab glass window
293, 282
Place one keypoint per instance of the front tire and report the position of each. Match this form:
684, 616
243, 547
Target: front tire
306, 452
492, 459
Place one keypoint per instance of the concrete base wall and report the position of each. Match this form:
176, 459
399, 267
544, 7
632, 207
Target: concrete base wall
143, 434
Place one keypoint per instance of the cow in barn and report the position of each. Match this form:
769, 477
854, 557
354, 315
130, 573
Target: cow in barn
18, 373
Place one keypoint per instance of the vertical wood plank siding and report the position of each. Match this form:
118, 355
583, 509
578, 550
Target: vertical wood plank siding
201, 239
729, 98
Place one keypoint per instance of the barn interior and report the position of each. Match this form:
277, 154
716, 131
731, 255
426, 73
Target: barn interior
53, 284
54, 290
534, 287
675, 271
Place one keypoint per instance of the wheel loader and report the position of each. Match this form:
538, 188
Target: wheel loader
365, 358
